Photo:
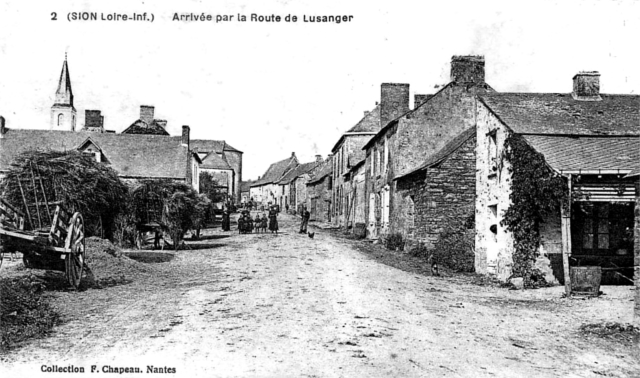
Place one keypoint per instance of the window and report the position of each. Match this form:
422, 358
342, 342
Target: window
602, 228
372, 163
60, 119
386, 155
493, 153
377, 161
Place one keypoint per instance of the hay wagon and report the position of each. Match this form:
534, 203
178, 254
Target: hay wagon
49, 237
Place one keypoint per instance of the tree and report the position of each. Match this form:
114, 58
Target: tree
212, 189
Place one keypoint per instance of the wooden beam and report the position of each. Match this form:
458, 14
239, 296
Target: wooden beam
565, 214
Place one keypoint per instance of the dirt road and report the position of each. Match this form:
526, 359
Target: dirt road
288, 305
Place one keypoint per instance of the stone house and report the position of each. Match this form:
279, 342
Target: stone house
590, 139
319, 192
221, 172
132, 156
443, 190
351, 143
293, 179
407, 140
354, 182
245, 188
218, 153
266, 190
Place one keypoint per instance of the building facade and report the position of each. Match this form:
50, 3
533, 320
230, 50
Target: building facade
407, 141
590, 140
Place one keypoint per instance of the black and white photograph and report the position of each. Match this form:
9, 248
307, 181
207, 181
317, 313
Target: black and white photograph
337, 188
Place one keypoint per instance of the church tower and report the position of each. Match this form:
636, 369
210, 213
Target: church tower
63, 114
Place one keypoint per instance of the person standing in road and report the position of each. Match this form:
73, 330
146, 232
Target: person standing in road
273, 220
226, 222
305, 220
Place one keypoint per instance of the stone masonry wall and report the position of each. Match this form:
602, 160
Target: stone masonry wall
235, 161
446, 194
494, 250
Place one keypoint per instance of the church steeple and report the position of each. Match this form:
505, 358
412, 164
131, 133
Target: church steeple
64, 94
63, 114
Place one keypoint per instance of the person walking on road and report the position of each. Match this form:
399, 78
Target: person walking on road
305, 220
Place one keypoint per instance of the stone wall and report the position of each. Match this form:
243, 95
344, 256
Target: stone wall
446, 195
494, 246
235, 161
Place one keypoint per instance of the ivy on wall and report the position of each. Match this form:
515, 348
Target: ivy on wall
536, 193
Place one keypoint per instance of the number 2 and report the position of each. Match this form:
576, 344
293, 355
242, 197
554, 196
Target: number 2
54, 16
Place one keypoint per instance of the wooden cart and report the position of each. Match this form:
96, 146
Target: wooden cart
47, 239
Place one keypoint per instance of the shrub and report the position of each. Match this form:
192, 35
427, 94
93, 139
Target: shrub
394, 241
420, 250
456, 247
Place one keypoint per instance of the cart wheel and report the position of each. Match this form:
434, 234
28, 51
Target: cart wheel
74, 261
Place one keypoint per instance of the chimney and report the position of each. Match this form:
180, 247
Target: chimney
93, 120
419, 99
586, 86
318, 158
467, 69
366, 113
394, 101
185, 135
146, 113
2, 128
293, 154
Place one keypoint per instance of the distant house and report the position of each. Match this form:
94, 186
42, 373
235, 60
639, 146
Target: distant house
355, 196
266, 190
319, 188
349, 146
245, 188
218, 156
220, 171
289, 185
133, 156
590, 139
147, 124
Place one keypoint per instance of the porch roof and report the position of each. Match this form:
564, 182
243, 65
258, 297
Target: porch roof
588, 153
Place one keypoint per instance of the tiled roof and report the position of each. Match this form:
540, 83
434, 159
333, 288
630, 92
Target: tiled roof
245, 186
554, 113
131, 155
141, 127
445, 151
208, 145
325, 170
369, 124
566, 153
297, 172
213, 161
474, 88
276, 171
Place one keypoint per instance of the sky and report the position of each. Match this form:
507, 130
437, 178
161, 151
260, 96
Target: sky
270, 89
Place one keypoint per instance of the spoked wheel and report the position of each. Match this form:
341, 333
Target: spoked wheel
74, 261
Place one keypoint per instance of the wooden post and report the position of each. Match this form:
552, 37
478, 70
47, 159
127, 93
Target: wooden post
565, 214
